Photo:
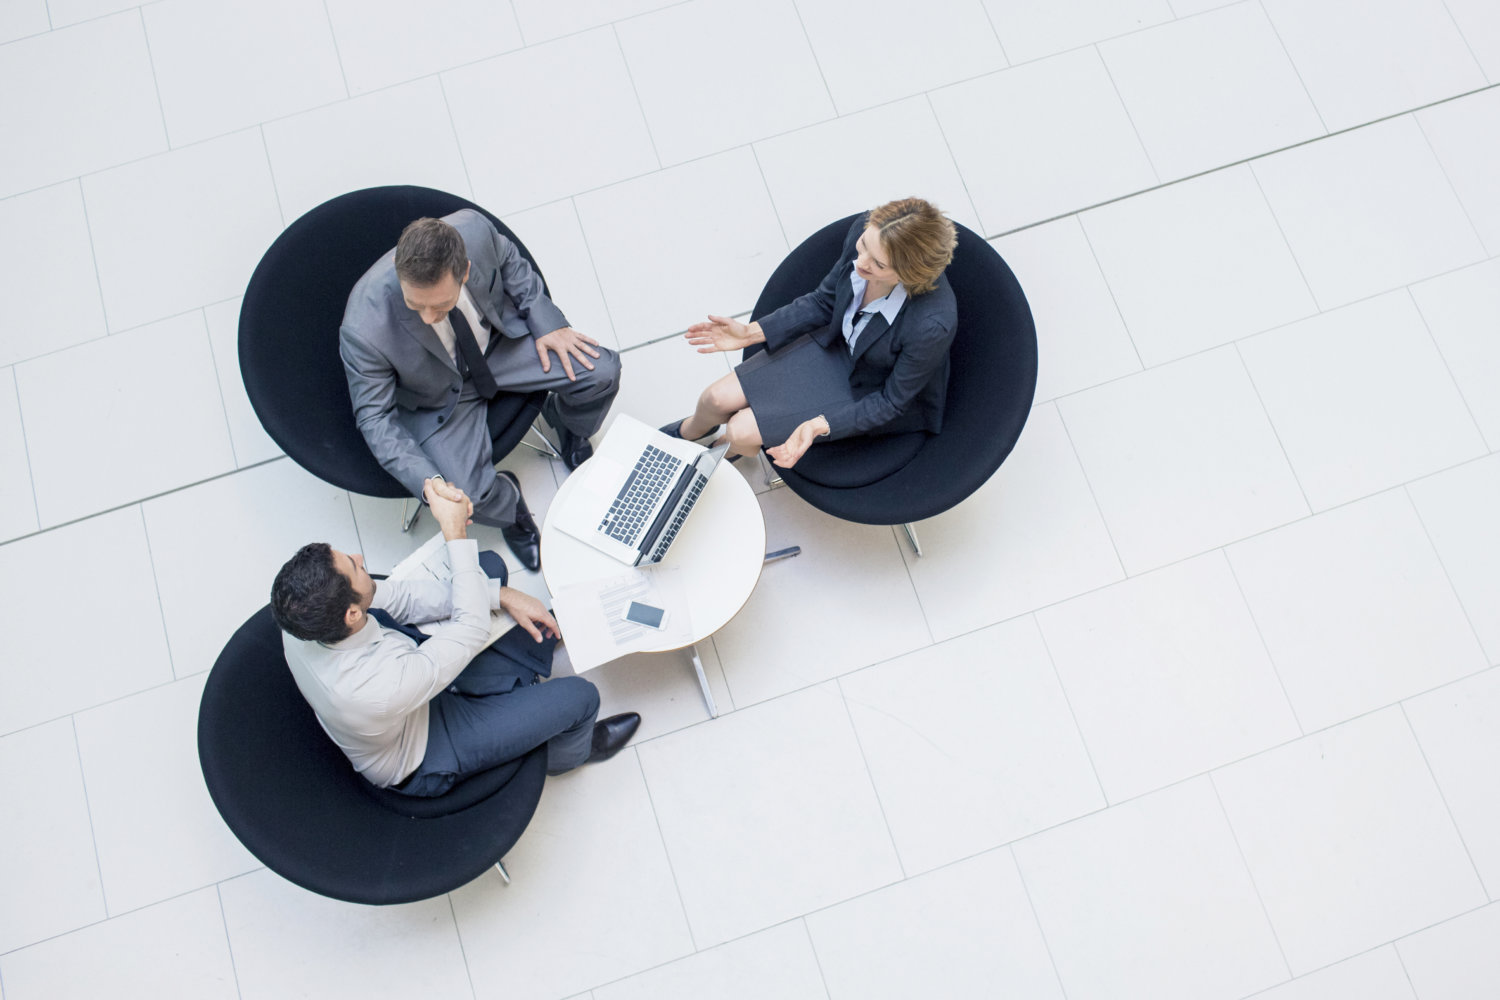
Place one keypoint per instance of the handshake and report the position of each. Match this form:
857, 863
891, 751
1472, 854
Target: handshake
450, 507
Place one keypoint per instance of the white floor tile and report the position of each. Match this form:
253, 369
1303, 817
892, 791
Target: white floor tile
709, 224
157, 831
1348, 839
1457, 508
220, 68
343, 147
18, 514
809, 176
47, 274
970, 744
1197, 264
1167, 676
1186, 8
990, 121
114, 649
48, 866
1465, 134
1030, 29
1460, 310
1210, 90
775, 963
768, 813
660, 382
1151, 899
554, 236
1364, 59
381, 42
1479, 21
1458, 727
699, 98
951, 40
592, 900
1375, 975
825, 596
274, 509
250, 441
1367, 211
175, 949
1182, 459
140, 411
1355, 609
1456, 960
289, 942
21, 18
663, 687
1030, 536
1361, 399
545, 19
965, 931
1081, 340
99, 107
222, 205
578, 128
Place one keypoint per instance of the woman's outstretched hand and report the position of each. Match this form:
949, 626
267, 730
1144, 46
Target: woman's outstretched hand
723, 334
794, 447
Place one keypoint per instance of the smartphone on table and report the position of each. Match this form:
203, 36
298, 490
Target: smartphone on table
645, 614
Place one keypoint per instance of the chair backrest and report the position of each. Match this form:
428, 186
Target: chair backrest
292, 798
289, 327
991, 384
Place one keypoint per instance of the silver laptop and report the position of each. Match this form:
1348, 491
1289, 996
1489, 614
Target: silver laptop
636, 491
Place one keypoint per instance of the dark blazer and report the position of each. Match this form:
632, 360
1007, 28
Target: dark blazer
900, 375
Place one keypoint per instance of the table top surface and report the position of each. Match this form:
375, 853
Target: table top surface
719, 552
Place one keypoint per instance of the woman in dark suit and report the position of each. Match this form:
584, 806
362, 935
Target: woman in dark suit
866, 352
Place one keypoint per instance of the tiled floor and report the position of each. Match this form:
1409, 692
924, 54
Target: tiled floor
1197, 697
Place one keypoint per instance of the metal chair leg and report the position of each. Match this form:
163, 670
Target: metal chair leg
708, 696
408, 515
786, 553
911, 536
546, 447
500, 867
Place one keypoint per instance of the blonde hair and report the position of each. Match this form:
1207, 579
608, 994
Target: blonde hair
917, 238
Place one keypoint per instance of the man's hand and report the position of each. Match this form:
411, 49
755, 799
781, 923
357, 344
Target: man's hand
450, 507
801, 439
528, 613
723, 334
568, 344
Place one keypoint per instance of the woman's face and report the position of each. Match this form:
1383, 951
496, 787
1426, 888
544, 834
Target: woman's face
872, 263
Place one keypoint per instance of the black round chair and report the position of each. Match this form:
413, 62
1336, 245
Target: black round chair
289, 333
901, 478
293, 799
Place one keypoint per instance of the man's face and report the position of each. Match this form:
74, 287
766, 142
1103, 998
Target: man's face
433, 302
353, 569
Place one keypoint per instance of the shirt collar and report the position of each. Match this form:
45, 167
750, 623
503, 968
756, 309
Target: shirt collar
888, 306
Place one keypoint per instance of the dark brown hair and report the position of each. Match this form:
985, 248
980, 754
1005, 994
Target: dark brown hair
428, 249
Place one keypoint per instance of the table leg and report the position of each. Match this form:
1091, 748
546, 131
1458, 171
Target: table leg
708, 696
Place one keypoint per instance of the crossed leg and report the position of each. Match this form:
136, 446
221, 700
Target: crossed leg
723, 402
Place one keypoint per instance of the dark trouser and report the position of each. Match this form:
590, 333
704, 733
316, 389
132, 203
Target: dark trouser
498, 709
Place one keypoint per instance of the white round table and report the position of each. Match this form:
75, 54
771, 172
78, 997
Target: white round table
719, 552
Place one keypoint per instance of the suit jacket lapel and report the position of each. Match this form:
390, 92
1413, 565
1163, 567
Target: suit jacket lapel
424, 334
876, 328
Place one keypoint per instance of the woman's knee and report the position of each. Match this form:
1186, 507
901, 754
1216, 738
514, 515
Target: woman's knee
743, 432
723, 395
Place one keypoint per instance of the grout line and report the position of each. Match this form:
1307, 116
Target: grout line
1293, 63
457, 140
166, 133
36, 505
1448, 367
1452, 587
1099, 267
1037, 918
812, 50
906, 565
985, 9
462, 952
640, 106
161, 610
47, 7
1451, 186
88, 809
1265, 411
1265, 646
521, 34
953, 158
213, 359
88, 227
1443, 797
1465, 36
228, 942
1249, 873
665, 850
817, 959
1036, 624
1098, 508
1266, 200
864, 759
1401, 961
337, 55
1099, 54
614, 327
265, 145
766, 184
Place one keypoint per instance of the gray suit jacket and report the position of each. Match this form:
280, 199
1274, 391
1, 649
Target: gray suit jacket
401, 380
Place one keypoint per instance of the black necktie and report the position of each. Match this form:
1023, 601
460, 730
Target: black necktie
385, 619
470, 361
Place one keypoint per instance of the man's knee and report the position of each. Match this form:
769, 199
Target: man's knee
579, 692
600, 382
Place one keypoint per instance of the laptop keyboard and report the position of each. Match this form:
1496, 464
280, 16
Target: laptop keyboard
654, 474
665, 541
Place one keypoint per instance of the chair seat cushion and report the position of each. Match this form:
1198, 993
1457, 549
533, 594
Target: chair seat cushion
470, 791
858, 461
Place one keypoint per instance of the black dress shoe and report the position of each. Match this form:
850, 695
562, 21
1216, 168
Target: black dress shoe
523, 537
611, 735
575, 449
674, 429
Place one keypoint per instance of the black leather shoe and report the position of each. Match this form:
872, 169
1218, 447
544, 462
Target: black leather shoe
611, 735
574, 448
674, 429
523, 537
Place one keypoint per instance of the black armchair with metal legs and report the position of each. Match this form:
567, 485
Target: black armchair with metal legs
902, 478
289, 334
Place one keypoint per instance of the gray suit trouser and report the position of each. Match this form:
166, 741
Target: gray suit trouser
461, 448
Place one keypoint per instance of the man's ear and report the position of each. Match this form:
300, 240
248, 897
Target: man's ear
468, 269
354, 616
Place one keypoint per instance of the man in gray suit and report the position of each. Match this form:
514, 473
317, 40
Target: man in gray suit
433, 331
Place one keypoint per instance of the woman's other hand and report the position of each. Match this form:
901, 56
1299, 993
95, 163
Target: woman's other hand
723, 334
794, 447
